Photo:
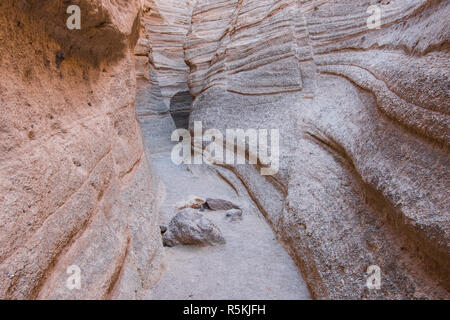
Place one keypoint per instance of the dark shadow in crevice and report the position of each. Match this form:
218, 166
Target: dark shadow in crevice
180, 109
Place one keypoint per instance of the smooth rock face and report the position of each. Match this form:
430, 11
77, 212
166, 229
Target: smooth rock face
75, 187
189, 227
364, 128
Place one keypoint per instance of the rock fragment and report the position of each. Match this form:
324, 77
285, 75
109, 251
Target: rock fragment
220, 204
192, 202
233, 215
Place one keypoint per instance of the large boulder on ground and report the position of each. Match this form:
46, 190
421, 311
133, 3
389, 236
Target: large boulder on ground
190, 227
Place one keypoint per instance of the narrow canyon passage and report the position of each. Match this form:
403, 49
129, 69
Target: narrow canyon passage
342, 201
355, 117
251, 265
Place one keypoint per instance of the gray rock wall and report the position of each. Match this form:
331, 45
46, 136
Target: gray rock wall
364, 123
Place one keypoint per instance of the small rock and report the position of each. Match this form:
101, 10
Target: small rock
220, 204
192, 202
76, 162
190, 227
233, 214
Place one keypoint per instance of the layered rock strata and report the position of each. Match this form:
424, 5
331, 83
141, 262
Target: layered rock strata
75, 189
163, 100
364, 126
363, 116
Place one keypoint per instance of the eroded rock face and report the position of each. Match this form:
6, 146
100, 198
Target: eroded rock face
364, 132
75, 187
363, 117
163, 100
233, 215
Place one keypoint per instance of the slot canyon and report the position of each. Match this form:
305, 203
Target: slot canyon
87, 176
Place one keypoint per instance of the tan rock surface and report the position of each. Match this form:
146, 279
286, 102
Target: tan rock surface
75, 187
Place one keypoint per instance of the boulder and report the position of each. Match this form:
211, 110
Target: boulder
190, 227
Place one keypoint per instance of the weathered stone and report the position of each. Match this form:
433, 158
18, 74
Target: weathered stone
189, 227
220, 204
364, 132
193, 202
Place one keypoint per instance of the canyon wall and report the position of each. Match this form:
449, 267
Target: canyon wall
75, 189
364, 128
163, 100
